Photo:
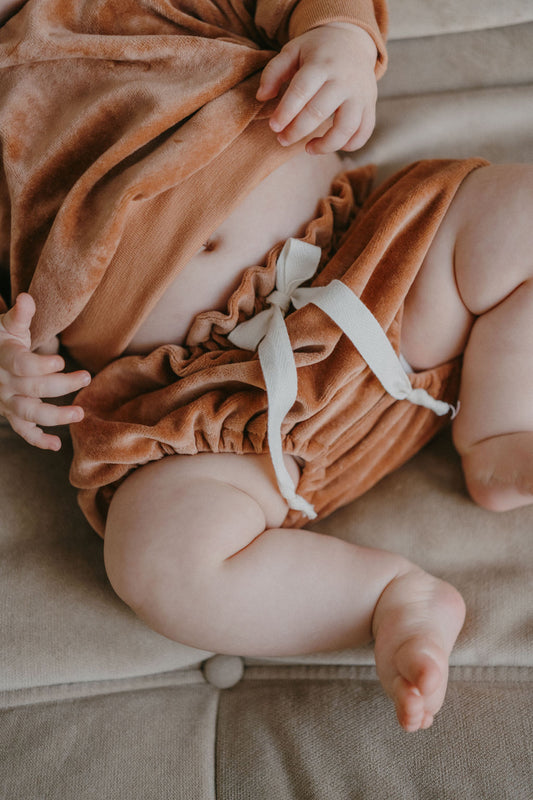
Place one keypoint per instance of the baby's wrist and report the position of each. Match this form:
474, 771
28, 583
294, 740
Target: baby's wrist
365, 41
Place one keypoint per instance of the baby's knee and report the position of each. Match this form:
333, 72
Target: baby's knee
498, 471
145, 550
131, 569
167, 539
484, 492
163, 589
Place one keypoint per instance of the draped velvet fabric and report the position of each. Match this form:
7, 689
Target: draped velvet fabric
209, 396
129, 130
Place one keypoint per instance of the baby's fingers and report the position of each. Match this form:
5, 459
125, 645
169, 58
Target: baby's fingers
31, 409
17, 320
364, 132
32, 434
17, 359
312, 115
56, 384
350, 130
26, 414
306, 84
277, 72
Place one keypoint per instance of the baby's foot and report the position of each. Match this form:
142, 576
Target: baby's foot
416, 622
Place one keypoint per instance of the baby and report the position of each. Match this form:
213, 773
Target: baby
198, 546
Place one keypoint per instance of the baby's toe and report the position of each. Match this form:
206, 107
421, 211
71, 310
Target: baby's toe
409, 704
419, 662
427, 721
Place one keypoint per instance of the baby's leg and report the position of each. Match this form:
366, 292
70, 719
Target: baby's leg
477, 284
193, 545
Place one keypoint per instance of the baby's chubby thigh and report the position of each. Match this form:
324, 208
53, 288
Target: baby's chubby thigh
436, 323
477, 284
185, 515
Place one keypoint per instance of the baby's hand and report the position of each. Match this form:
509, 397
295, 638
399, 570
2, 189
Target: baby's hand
331, 73
25, 377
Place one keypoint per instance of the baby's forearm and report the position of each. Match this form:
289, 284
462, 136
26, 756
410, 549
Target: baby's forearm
8, 7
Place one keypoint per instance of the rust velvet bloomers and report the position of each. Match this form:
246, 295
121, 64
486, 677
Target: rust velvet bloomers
209, 396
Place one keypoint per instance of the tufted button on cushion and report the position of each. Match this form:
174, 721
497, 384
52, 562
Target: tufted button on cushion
223, 671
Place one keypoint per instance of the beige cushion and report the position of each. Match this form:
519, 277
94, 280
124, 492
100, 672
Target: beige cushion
415, 18
61, 621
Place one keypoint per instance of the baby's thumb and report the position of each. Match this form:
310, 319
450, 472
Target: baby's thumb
279, 70
17, 320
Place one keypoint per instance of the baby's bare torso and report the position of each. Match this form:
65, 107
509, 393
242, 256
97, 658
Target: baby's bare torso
279, 207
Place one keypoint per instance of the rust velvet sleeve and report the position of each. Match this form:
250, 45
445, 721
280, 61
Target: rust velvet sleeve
285, 19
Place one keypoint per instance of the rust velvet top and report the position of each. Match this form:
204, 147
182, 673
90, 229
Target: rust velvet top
122, 152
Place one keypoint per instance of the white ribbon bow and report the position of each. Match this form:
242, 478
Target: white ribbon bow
267, 332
